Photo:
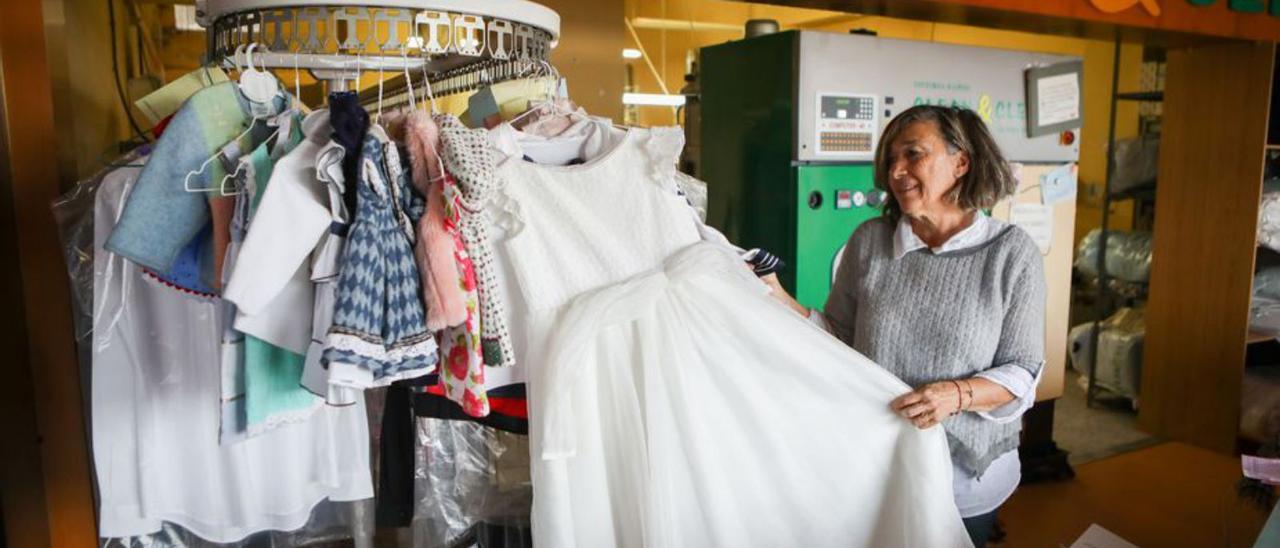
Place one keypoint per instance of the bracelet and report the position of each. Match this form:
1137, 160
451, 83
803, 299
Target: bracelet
969, 388
959, 399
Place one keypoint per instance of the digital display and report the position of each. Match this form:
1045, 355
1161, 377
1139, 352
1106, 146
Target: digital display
846, 126
850, 108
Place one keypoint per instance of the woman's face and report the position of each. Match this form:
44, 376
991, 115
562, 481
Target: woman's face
922, 170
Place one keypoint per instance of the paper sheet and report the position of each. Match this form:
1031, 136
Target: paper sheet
1058, 99
1037, 220
1096, 536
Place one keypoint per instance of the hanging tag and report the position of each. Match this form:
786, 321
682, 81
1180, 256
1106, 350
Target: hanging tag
285, 122
259, 110
483, 108
231, 150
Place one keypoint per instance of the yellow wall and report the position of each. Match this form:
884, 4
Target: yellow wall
590, 53
87, 111
668, 50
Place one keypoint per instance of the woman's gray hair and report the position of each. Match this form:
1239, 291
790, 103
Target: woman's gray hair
988, 180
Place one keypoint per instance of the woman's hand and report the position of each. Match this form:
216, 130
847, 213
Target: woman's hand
929, 404
776, 290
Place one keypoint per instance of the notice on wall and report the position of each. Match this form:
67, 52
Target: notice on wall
1058, 99
1058, 185
1037, 220
1055, 101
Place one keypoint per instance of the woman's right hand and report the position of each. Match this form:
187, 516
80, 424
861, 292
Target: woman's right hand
776, 289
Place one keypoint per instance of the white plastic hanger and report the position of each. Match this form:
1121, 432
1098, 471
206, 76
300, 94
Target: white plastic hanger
222, 185
237, 59
408, 79
426, 82
378, 116
297, 80
550, 102
258, 86
186, 181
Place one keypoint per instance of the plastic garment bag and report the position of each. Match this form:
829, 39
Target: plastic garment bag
79, 216
473, 486
1119, 351
1264, 307
1269, 221
1128, 255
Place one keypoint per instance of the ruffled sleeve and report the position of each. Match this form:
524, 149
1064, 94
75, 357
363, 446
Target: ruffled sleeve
663, 148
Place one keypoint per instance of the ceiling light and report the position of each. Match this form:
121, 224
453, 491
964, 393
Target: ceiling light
652, 99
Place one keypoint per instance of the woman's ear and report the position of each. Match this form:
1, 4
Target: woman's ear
962, 164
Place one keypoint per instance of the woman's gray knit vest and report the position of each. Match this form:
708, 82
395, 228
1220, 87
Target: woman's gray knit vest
931, 317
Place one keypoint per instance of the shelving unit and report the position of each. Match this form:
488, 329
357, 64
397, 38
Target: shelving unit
1107, 292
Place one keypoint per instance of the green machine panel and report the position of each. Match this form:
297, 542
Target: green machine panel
760, 195
831, 201
748, 133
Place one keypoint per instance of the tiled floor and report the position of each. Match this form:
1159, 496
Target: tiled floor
1091, 433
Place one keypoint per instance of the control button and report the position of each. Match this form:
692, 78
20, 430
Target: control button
815, 200
844, 199
876, 197
859, 199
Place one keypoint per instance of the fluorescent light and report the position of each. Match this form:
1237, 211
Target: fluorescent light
682, 24
631, 53
654, 99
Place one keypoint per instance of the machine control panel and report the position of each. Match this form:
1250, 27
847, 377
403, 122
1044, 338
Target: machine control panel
847, 125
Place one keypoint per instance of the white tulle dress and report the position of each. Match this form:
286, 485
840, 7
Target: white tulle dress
673, 403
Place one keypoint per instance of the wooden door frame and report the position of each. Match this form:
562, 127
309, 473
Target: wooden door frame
46, 491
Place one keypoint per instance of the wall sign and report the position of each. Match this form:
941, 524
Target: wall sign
1153, 6
1113, 6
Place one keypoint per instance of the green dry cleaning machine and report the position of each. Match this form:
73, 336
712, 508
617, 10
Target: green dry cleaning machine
790, 122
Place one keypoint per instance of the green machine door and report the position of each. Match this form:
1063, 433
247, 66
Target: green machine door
831, 201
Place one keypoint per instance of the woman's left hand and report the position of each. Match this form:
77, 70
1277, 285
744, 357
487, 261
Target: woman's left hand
928, 405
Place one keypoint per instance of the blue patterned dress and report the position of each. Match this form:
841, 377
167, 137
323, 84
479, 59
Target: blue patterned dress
379, 323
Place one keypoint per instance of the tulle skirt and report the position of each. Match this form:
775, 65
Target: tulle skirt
685, 407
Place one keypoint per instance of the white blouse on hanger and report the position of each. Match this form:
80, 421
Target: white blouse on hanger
271, 283
155, 418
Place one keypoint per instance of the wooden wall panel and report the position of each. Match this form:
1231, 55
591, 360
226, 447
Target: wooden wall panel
43, 312
1210, 182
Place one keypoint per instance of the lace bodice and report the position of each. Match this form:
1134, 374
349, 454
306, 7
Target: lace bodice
576, 228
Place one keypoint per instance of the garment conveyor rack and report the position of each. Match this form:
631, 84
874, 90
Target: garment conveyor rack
335, 39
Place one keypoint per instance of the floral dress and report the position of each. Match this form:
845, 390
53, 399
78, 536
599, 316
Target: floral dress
462, 374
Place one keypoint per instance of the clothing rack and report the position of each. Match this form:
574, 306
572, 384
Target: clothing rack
461, 79
338, 39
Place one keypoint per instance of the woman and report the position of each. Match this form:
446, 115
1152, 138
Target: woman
948, 299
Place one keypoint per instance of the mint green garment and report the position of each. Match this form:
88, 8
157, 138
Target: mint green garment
273, 375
